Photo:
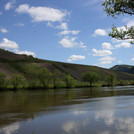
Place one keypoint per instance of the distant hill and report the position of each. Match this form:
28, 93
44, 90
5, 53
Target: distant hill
11, 63
131, 70
123, 68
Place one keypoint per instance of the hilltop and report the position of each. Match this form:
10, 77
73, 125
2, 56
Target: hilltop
123, 68
11, 63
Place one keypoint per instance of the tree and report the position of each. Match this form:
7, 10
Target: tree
31, 72
44, 76
69, 81
17, 80
117, 7
90, 77
32, 78
110, 79
3, 80
56, 78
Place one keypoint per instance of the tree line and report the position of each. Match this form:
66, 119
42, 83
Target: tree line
43, 78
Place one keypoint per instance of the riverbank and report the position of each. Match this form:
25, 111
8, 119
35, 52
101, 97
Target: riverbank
63, 86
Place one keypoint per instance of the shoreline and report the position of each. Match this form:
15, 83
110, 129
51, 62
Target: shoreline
63, 87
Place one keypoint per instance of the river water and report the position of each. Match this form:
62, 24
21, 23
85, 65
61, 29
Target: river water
102, 110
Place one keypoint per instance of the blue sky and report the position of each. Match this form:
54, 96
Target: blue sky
74, 31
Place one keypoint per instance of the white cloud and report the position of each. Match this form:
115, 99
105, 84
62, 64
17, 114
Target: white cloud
3, 30
25, 52
13, 46
132, 59
114, 40
76, 57
106, 60
9, 5
101, 52
8, 44
106, 45
62, 26
123, 44
66, 32
92, 3
39, 14
67, 42
100, 32
19, 24
119, 61
130, 22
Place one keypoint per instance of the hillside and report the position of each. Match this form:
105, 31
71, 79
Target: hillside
123, 68
11, 63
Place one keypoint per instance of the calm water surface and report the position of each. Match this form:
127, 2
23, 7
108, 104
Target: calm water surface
68, 111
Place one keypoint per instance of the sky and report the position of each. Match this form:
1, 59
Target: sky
72, 31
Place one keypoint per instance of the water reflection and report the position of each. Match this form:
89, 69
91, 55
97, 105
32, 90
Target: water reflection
68, 111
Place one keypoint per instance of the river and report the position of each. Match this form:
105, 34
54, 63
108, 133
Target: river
101, 110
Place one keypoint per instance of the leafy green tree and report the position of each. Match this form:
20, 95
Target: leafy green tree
90, 77
56, 78
3, 80
69, 81
32, 78
117, 7
44, 76
123, 82
110, 79
31, 73
17, 80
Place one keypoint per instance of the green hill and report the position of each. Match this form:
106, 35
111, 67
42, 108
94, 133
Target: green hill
11, 63
123, 68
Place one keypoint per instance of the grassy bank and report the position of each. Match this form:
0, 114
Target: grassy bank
63, 85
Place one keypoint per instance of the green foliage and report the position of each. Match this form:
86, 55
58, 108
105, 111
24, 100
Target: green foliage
44, 76
32, 75
17, 80
90, 77
3, 80
117, 7
69, 81
56, 78
123, 82
110, 79
123, 33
